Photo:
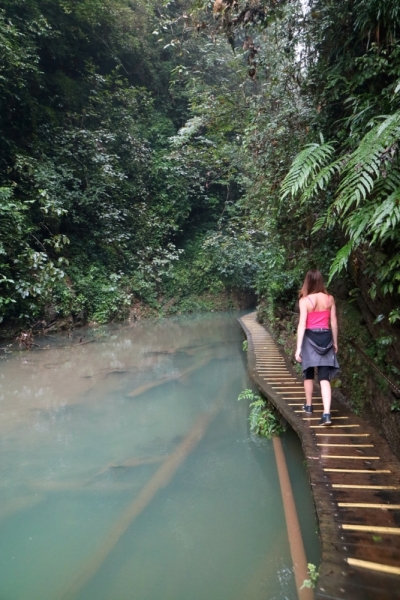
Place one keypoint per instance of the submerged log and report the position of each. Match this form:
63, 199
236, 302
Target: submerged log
132, 462
173, 377
149, 386
189, 349
159, 480
81, 486
17, 504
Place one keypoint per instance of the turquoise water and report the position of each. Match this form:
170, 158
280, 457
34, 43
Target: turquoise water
88, 430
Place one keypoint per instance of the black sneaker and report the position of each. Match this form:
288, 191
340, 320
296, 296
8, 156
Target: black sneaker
325, 420
307, 409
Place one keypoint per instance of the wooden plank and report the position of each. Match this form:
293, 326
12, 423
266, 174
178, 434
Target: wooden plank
343, 434
370, 505
350, 457
365, 487
334, 426
363, 564
314, 411
371, 528
357, 471
301, 404
349, 445
314, 397
334, 418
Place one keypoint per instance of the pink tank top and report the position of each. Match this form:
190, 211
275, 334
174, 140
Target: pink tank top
317, 319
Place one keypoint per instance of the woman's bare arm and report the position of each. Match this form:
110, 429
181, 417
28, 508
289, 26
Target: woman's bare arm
334, 325
301, 327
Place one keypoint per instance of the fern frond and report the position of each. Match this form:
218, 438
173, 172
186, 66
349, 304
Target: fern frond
321, 179
356, 225
320, 223
367, 162
341, 259
367, 200
305, 167
386, 218
389, 184
248, 395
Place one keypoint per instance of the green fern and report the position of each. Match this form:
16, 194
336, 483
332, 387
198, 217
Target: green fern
263, 419
341, 259
367, 200
386, 218
308, 165
321, 222
368, 163
248, 395
321, 180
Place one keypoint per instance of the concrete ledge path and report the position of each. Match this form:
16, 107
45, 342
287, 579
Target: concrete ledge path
354, 476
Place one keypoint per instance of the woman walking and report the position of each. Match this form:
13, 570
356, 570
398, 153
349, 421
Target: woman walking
317, 336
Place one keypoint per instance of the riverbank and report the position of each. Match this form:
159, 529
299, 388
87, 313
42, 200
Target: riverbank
52, 322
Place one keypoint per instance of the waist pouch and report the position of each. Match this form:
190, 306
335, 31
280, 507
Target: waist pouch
322, 339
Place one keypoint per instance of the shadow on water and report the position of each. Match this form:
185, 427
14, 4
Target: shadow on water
102, 495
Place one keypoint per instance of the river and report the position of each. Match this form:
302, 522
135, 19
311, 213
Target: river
128, 471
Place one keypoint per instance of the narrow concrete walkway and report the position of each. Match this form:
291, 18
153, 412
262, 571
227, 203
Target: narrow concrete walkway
355, 481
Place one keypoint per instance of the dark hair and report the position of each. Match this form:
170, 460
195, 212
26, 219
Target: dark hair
313, 283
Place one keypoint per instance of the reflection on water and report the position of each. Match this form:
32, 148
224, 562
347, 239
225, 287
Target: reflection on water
128, 472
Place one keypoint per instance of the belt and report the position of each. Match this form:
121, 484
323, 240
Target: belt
317, 330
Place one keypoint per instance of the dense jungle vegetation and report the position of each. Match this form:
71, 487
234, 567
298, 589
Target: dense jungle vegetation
166, 154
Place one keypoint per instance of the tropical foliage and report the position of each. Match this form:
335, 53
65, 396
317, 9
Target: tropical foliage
264, 419
305, 122
91, 205
152, 150
294, 117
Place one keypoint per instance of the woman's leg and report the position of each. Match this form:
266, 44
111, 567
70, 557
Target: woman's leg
308, 375
308, 388
326, 395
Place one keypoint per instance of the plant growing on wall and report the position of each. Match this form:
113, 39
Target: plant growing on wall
264, 420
